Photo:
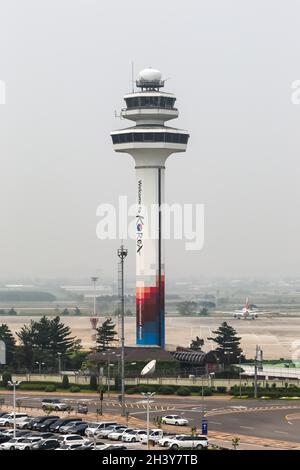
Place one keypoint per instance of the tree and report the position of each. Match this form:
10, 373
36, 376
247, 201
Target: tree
228, 342
93, 382
105, 334
42, 341
12, 312
10, 343
187, 308
77, 311
197, 343
65, 312
65, 382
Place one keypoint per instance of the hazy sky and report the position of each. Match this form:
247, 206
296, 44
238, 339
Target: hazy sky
67, 65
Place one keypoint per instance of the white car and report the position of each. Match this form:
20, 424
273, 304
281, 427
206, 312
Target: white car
176, 420
94, 428
8, 419
188, 442
54, 404
11, 444
23, 423
27, 443
72, 439
69, 447
133, 436
154, 436
117, 434
106, 431
167, 438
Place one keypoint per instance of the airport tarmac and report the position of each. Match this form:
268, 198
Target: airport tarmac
277, 336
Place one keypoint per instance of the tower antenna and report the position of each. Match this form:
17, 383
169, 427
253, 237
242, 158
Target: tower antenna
132, 76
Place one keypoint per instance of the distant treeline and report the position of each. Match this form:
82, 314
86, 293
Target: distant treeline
26, 296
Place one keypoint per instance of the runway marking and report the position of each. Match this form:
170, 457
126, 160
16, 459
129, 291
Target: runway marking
214, 422
281, 432
247, 427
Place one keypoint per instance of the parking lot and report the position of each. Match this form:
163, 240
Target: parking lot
54, 427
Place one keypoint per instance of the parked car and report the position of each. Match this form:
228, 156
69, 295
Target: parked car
69, 447
47, 444
133, 436
54, 427
54, 404
166, 439
78, 428
23, 423
27, 442
106, 431
19, 433
94, 428
116, 435
176, 420
11, 443
45, 425
188, 442
72, 439
154, 436
113, 447
65, 429
8, 418
38, 420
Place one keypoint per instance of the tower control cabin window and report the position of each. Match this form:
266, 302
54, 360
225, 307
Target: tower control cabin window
169, 137
150, 102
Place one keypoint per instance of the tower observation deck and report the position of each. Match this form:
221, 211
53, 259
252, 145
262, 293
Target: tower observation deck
150, 142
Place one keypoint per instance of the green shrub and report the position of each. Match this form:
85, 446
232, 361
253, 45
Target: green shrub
183, 391
50, 388
207, 392
75, 389
93, 382
221, 389
166, 390
132, 390
38, 387
6, 377
65, 382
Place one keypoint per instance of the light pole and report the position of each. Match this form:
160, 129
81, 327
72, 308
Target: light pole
94, 279
108, 371
14, 384
148, 395
40, 364
59, 362
240, 374
122, 253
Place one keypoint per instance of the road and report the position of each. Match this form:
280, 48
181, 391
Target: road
272, 419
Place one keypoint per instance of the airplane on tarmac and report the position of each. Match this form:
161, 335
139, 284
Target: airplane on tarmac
248, 312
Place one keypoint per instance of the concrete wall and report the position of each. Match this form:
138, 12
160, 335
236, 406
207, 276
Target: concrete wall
85, 380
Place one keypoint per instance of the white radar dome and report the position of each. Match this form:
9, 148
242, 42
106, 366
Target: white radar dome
150, 75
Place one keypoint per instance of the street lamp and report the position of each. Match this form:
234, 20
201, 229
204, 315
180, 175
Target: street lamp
59, 362
122, 253
240, 373
94, 279
148, 395
108, 370
40, 364
14, 384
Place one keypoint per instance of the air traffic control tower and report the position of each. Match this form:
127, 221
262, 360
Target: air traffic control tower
150, 143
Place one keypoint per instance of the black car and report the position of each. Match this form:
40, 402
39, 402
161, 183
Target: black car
78, 428
45, 425
54, 427
48, 444
38, 420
